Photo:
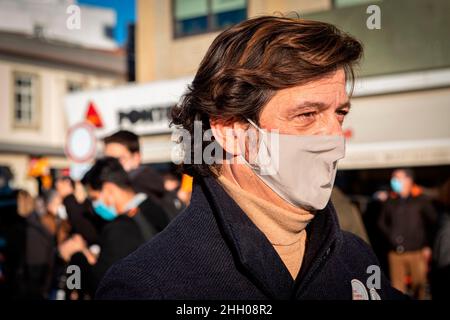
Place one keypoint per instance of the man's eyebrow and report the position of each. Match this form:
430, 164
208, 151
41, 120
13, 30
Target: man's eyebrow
320, 105
344, 105
311, 104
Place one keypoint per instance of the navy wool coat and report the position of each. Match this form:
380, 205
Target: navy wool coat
212, 250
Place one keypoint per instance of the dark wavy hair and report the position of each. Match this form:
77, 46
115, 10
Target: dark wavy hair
247, 63
126, 138
107, 169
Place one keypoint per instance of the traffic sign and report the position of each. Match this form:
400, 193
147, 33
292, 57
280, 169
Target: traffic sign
81, 143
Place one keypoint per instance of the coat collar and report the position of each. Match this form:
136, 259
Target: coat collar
253, 252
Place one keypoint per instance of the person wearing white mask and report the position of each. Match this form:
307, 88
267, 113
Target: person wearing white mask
269, 98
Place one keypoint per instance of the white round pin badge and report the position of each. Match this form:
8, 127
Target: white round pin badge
374, 294
359, 291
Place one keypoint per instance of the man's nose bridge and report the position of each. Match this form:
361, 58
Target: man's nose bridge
331, 125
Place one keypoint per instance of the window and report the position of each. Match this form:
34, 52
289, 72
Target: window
73, 86
200, 16
39, 31
25, 99
108, 31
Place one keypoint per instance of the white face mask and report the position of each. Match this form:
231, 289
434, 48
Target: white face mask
300, 169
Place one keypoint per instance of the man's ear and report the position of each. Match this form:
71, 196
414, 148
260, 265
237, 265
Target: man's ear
227, 134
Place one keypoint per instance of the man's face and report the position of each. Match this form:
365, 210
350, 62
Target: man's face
317, 108
106, 194
171, 184
405, 181
128, 160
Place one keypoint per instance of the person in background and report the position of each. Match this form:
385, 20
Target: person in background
12, 239
407, 221
30, 284
135, 219
171, 182
349, 215
172, 186
371, 218
79, 210
44, 233
440, 276
55, 220
124, 146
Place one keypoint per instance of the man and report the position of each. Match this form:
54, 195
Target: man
349, 216
135, 218
80, 215
259, 224
407, 222
12, 239
124, 145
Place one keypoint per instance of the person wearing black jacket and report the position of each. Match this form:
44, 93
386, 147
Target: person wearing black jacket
262, 134
13, 228
82, 219
124, 145
137, 219
440, 273
408, 222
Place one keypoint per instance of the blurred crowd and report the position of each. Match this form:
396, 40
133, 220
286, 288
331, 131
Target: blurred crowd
408, 227
91, 223
410, 232
120, 203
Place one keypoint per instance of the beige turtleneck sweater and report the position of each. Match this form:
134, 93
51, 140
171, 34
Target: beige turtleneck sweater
285, 229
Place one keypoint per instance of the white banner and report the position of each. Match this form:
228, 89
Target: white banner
142, 108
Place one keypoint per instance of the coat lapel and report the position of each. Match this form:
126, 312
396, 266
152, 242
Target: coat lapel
255, 254
324, 239
252, 250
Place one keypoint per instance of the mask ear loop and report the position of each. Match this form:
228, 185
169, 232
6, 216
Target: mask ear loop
263, 145
244, 147
241, 137
253, 124
242, 144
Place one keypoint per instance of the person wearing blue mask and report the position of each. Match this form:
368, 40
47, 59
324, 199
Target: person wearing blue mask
132, 219
407, 222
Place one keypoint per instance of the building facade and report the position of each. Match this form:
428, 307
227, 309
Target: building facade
35, 76
60, 20
401, 103
173, 36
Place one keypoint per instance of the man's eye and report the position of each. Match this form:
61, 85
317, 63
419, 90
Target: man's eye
342, 112
307, 115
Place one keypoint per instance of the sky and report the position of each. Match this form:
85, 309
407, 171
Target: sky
125, 13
